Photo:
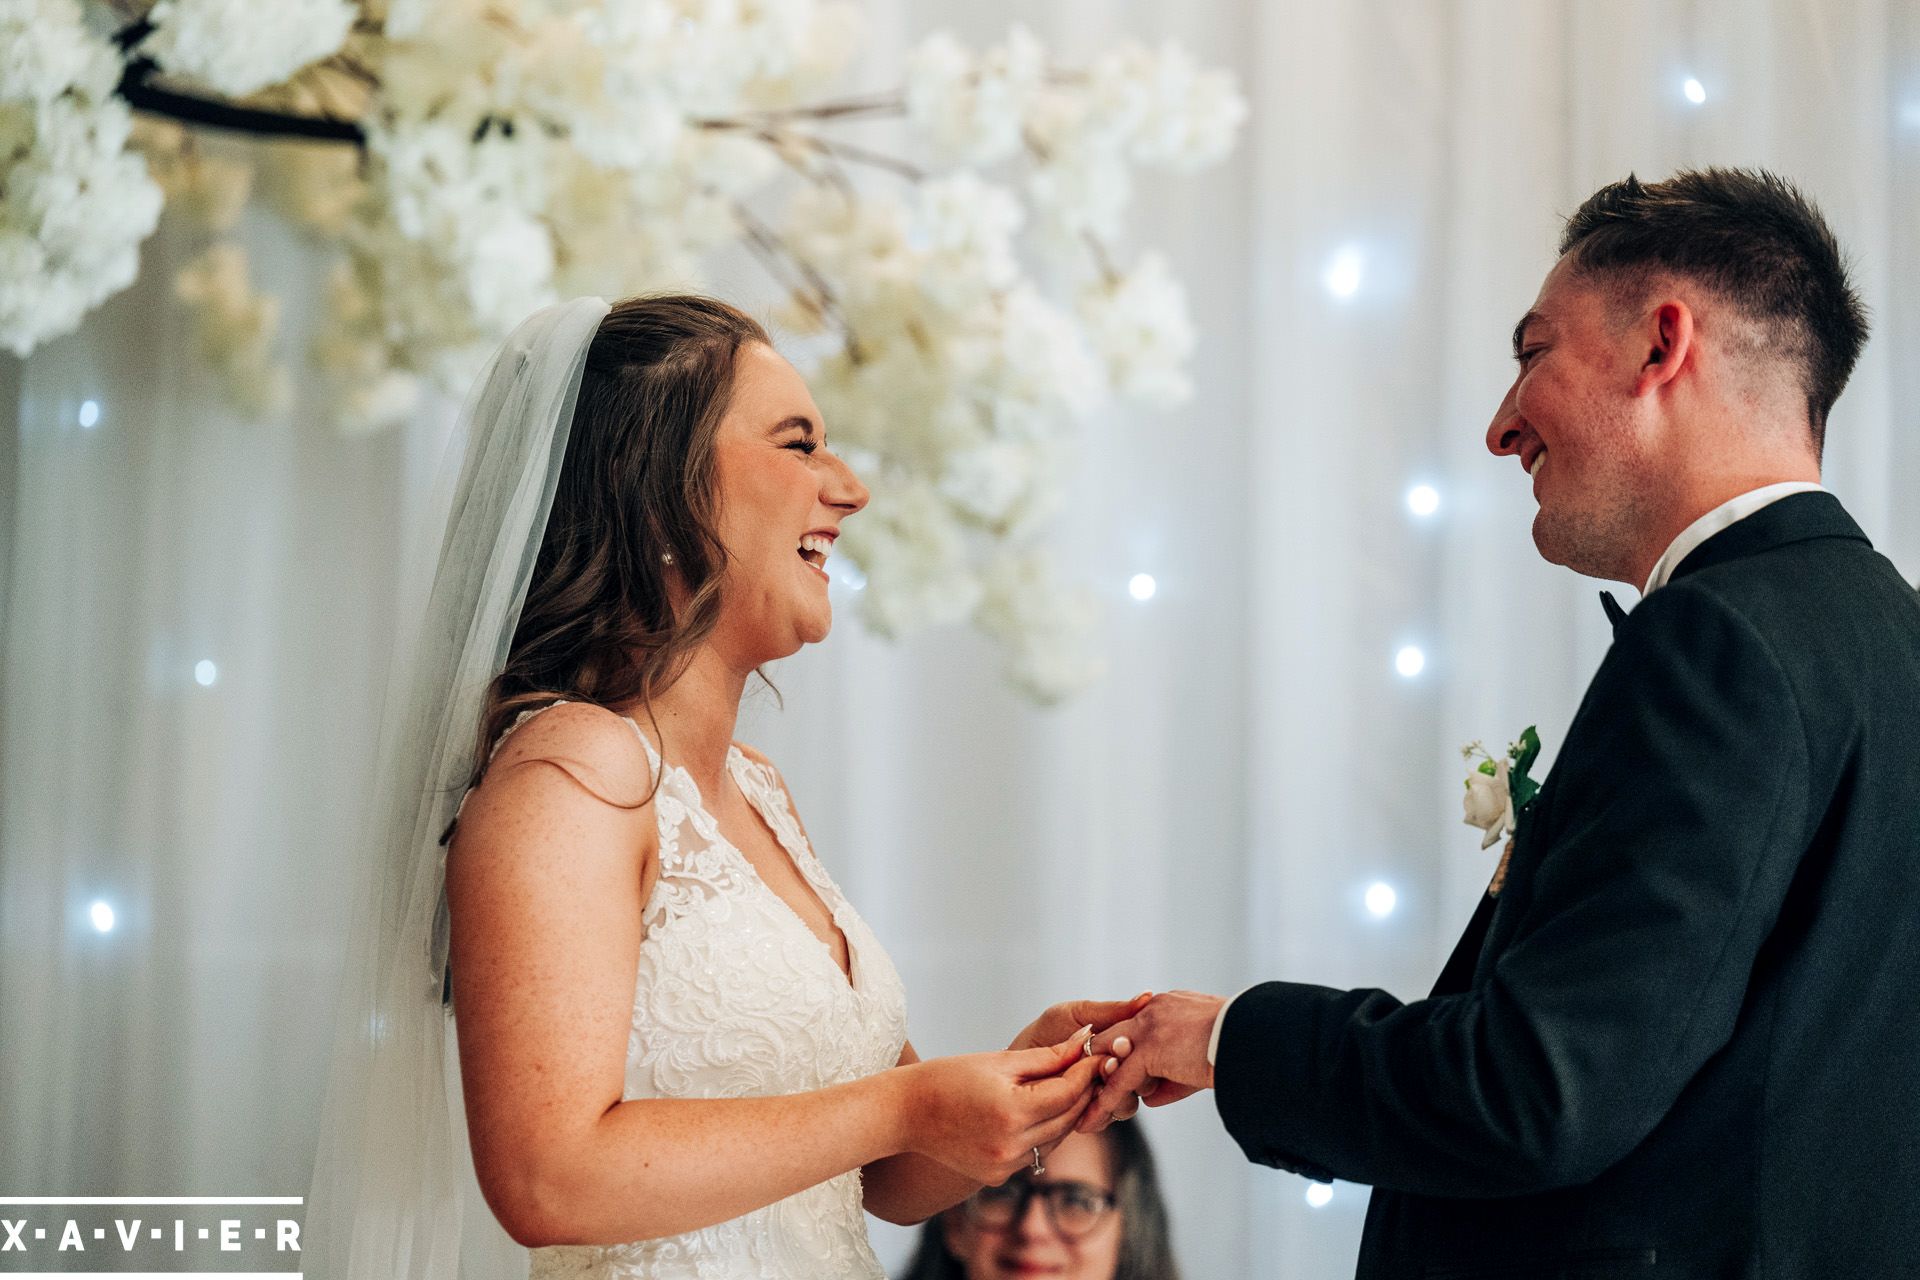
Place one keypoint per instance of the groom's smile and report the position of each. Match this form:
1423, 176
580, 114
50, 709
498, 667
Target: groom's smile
1573, 396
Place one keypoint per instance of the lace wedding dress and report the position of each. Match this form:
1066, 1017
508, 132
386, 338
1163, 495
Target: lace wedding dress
737, 997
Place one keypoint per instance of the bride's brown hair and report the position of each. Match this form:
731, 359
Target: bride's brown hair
635, 485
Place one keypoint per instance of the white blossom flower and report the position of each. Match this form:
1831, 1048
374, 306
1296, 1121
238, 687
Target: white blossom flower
508, 271
1138, 323
517, 151
1175, 113
46, 49
406, 19
74, 202
235, 325
240, 46
965, 229
916, 556
1135, 106
823, 53
369, 393
1045, 627
1043, 373
988, 481
1189, 118
1082, 191
973, 109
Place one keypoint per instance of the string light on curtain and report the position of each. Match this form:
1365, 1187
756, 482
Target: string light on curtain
1141, 587
1319, 1195
1910, 113
101, 913
1381, 899
1423, 500
89, 412
1344, 271
1695, 91
205, 672
851, 577
1410, 661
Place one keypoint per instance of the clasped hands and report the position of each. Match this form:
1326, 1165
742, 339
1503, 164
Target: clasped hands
1153, 1049
1075, 1068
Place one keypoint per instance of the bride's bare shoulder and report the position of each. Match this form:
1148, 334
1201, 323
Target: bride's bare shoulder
568, 755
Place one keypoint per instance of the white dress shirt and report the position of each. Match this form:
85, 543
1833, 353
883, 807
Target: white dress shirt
1722, 517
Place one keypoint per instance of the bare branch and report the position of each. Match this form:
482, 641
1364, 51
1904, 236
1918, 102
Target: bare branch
883, 104
839, 150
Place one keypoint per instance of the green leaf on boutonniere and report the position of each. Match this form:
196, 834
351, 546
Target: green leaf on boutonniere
1523, 791
1529, 752
1489, 768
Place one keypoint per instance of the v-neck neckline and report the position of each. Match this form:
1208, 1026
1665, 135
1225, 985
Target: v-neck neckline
736, 761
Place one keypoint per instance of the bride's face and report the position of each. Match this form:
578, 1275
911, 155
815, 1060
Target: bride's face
782, 497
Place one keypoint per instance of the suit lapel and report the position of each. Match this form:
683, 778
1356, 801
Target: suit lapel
1794, 518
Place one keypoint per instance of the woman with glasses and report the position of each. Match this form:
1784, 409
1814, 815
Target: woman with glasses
1095, 1213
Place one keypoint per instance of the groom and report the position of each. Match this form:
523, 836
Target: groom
1684, 1039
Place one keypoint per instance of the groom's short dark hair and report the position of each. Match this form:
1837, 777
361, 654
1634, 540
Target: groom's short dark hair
1751, 237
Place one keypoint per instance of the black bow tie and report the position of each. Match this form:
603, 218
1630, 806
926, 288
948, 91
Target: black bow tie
1615, 614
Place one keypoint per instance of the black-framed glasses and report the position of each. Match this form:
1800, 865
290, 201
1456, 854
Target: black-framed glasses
1074, 1208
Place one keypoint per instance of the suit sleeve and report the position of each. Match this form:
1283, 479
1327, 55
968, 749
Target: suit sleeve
1678, 813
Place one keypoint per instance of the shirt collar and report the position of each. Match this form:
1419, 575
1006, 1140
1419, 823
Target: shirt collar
1724, 516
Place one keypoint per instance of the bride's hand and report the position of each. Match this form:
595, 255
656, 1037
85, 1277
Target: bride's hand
1051, 1026
984, 1114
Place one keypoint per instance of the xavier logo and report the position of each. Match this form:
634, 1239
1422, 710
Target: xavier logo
46, 1226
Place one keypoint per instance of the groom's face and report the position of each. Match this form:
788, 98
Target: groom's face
1572, 419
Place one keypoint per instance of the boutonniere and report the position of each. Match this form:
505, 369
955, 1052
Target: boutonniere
1497, 790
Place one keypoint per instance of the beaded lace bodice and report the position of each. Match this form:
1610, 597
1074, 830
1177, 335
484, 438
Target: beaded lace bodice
737, 997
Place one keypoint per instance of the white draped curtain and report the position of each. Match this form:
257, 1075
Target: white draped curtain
1210, 815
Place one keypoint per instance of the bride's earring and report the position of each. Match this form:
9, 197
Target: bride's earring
666, 557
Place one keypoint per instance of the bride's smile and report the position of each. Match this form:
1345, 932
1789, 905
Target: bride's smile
782, 495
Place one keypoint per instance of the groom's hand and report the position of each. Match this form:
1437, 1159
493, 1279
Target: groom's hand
1159, 1054
1062, 1020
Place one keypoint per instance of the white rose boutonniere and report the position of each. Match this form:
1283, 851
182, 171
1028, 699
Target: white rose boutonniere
1497, 790
1490, 802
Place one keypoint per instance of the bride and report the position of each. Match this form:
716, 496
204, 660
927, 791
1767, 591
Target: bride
670, 1047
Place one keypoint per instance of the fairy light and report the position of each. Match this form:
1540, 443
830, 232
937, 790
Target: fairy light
1344, 272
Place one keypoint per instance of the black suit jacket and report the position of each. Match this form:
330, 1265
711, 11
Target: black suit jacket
1685, 1039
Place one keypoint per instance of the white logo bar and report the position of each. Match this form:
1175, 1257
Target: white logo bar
154, 1200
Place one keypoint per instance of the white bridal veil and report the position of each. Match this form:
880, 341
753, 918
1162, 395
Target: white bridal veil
393, 1195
